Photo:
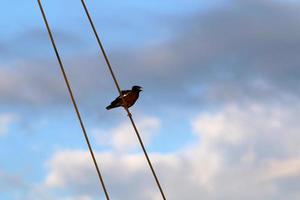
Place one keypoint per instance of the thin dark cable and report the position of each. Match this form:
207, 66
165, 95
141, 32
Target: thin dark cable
118, 87
101, 46
73, 99
145, 153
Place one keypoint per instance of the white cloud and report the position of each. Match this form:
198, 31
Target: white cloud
282, 169
77, 162
243, 152
122, 137
84, 197
74, 171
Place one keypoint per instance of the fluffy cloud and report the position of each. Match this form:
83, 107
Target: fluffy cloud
242, 152
123, 139
71, 171
77, 198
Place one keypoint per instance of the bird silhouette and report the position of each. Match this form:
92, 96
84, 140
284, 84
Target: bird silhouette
127, 98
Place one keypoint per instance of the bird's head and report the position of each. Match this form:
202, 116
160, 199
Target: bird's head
137, 88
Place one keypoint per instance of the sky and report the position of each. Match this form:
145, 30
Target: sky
219, 113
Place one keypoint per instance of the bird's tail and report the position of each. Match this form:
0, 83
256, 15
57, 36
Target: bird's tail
110, 107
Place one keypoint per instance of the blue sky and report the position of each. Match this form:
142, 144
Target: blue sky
218, 112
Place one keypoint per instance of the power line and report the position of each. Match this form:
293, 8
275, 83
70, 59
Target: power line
119, 90
73, 100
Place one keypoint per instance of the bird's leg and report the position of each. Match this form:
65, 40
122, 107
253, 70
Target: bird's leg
128, 112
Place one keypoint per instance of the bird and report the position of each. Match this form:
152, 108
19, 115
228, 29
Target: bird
127, 98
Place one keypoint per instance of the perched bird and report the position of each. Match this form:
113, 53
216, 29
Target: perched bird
127, 99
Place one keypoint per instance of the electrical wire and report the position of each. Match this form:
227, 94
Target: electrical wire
119, 90
73, 99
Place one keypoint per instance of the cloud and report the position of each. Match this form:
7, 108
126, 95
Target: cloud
77, 198
213, 57
283, 169
254, 141
64, 175
16, 48
239, 61
38, 84
123, 139
242, 152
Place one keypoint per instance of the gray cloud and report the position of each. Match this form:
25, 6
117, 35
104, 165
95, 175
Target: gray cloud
246, 49
34, 42
232, 52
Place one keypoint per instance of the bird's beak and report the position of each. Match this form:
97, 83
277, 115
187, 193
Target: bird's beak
141, 89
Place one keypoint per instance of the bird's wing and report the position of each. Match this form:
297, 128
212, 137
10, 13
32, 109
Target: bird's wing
119, 98
116, 102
